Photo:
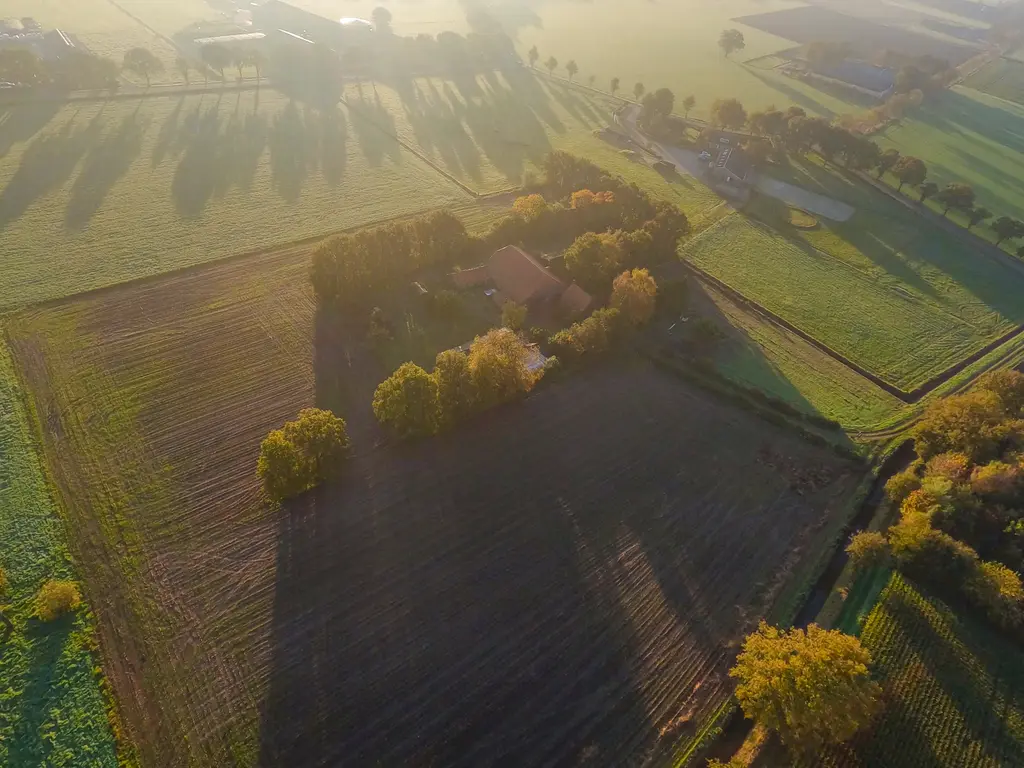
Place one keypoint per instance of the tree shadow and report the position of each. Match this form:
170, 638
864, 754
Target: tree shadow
105, 164
168, 135
48, 163
333, 144
40, 694
290, 152
20, 123
375, 129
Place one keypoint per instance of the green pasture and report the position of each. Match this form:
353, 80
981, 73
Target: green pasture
1003, 78
52, 711
95, 193
972, 137
954, 687
758, 354
898, 300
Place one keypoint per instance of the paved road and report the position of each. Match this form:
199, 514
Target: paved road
688, 161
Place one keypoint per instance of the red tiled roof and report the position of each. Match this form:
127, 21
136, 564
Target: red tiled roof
521, 277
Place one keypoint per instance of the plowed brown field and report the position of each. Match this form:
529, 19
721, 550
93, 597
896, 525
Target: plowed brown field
562, 581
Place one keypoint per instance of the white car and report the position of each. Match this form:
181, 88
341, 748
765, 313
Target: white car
705, 155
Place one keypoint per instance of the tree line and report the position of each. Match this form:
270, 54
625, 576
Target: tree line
961, 526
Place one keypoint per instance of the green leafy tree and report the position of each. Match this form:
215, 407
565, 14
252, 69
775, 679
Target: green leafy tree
141, 61
635, 295
499, 367
407, 401
638, 91
967, 424
513, 315
812, 688
955, 195
728, 113
533, 56
572, 68
615, 85
910, 170
688, 104
593, 259
302, 454
886, 161
731, 40
976, 215
551, 64
1006, 228
56, 598
926, 190
456, 394
901, 485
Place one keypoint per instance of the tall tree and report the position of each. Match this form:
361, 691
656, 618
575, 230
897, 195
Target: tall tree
731, 40
407, 401
216, 57
534, 56
728, 113
498, 366
572, 68
141, 61
615, 85
910, 170
184, 67
456, 395
551, 64
381, 18
634, 294
1006, 228
977, 215
926, 190
255, 59
812, 688
688, 104
886, 161
638, 91
955, 195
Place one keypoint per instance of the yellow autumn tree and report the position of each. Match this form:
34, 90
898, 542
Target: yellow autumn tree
813, 687
302, 453
634, 294
498, 366
56, 598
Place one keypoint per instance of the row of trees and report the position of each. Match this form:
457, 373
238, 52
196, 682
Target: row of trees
961, 525
496, 370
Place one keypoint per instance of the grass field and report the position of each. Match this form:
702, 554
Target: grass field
971, 137
781, 364
1003, 78
889, 293
152, 400
99, 25
52, 711
954, 689
92, 194
492, 131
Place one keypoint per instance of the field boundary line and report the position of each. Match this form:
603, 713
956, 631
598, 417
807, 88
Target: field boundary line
909, 397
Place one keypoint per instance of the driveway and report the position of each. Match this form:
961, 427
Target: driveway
687, 161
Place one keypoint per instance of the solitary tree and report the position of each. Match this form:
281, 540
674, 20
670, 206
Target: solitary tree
142, 62
910, 170
56, 598
886, 161
977, 215
407, 401
638, 91
302, 453
926, 190
955, 195
184, 67
615, 85
728, 113
1006, 228
533, 55
731, 40
634, 294
381, 18
551, 64
571, 68
688, 103
813, 688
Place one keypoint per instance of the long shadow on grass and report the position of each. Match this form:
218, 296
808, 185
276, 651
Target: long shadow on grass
48, 163
105, 164
22, 122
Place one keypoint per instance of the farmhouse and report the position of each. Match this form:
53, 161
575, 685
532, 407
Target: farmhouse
517, 276
731, 173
